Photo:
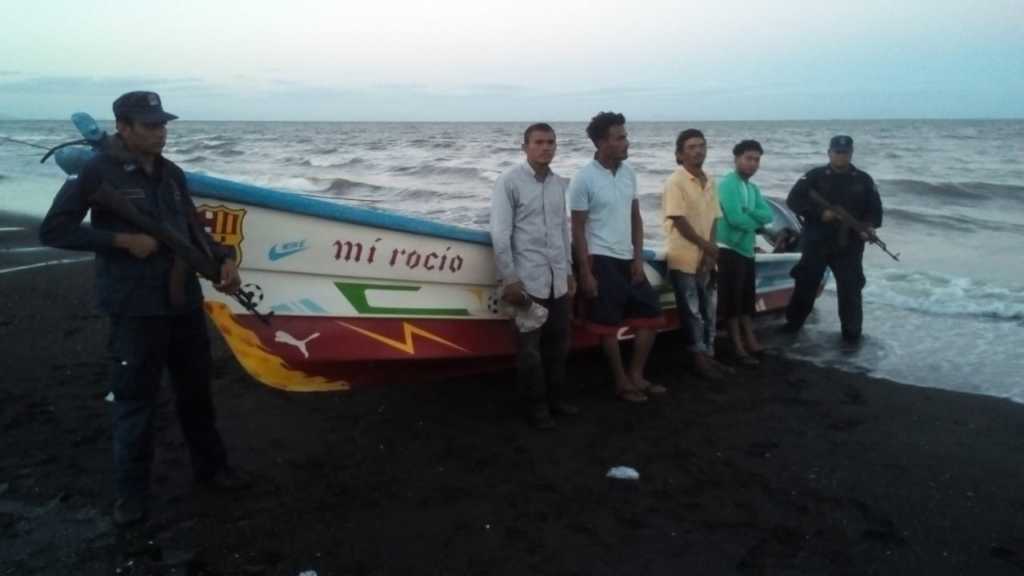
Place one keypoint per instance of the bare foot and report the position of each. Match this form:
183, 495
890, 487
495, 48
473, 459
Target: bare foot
631, 395
626, 390
720, 367
648, 387
754, 348
705, 368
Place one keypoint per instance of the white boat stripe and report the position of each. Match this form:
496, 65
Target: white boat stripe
10, 229
40, 264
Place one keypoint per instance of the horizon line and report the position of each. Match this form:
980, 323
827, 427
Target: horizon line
7, 118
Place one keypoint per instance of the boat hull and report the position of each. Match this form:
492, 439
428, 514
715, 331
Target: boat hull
357, 303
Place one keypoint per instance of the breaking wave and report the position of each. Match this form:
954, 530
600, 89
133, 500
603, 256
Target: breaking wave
942, 295
952, 222
959, 193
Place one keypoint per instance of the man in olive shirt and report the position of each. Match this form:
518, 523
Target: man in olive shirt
530, 234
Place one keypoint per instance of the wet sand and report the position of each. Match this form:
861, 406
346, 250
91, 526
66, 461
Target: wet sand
791, 469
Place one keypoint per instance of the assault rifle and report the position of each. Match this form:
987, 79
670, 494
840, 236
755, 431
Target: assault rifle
186, 254
847, 222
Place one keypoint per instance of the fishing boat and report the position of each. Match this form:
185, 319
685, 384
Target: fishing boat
361, 295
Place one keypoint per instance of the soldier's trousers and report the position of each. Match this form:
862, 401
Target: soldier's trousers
141, 347
848, 271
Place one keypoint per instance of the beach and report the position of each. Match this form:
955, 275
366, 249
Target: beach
790, 469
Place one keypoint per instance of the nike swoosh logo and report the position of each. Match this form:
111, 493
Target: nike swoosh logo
277, 253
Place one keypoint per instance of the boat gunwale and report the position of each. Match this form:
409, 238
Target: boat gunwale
206, 186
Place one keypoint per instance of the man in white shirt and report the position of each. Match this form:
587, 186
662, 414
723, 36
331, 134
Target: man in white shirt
530, 234
608, 235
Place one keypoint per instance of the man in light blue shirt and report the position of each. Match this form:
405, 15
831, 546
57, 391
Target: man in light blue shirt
608, 235
530, 234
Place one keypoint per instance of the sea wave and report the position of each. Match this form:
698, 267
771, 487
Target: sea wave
954, 222
943, 295
342, 186
329, 163
199, 146
444, 171
958, 193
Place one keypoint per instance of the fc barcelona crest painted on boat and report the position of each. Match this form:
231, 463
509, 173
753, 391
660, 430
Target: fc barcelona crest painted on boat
224, 224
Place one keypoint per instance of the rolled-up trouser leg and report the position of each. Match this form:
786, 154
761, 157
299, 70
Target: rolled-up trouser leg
688, 305
708, 299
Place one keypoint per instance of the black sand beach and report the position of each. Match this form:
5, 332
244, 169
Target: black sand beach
792, 469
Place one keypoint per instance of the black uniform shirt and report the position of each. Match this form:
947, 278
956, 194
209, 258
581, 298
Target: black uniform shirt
126, 285
853, 190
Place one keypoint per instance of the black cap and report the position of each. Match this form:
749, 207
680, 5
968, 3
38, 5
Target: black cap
141, 107
841, 143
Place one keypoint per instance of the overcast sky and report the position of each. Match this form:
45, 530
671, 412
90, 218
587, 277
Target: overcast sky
518, 60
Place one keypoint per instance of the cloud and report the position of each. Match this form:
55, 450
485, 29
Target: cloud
36, 85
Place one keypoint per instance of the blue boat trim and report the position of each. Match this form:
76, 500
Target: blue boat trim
230, 191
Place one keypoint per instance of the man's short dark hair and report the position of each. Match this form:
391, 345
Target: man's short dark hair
747, 146
538, 127
686, 135
599, 125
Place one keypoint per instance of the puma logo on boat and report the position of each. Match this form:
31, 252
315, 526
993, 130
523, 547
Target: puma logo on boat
285, 249
286, 338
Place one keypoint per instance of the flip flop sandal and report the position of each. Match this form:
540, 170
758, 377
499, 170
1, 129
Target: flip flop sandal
654, 389
631, 395
747, 361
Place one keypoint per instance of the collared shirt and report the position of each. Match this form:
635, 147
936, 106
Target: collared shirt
684, 196
530, 231
608, 200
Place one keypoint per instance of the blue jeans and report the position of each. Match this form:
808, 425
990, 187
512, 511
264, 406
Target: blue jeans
696, 302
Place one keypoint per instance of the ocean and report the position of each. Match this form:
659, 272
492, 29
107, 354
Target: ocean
949, 315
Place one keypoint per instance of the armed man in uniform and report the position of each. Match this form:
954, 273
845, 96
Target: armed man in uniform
828, 241
156, 315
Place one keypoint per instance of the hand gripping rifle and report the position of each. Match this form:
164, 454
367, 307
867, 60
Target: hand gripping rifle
848, 222
186, 254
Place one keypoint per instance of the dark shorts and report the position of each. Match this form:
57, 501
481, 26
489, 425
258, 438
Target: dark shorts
736, 279
619, 302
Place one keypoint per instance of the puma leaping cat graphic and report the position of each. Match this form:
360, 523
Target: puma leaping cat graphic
286, 338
